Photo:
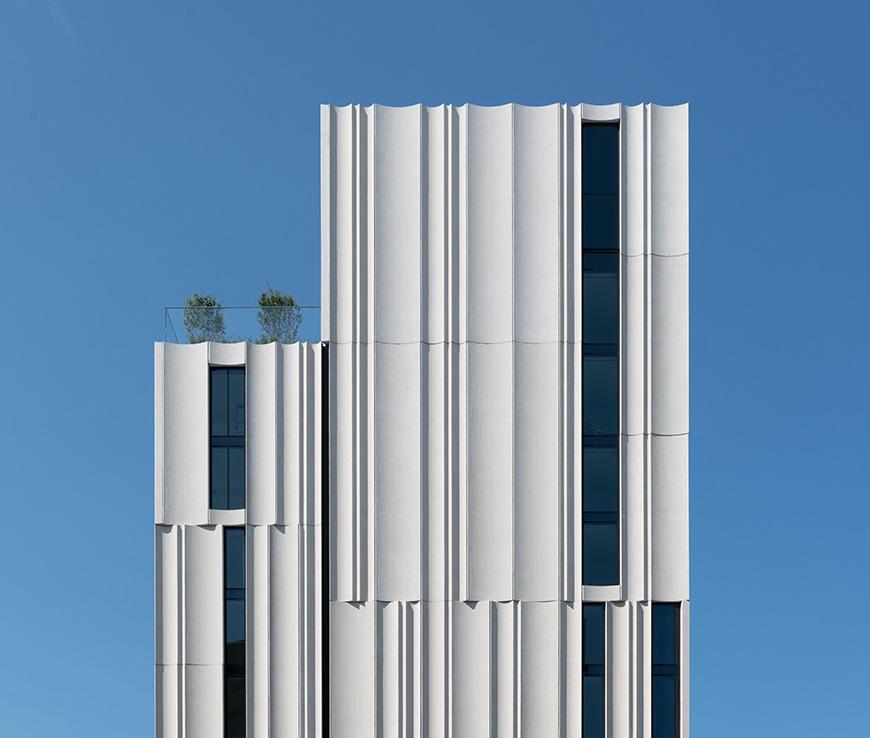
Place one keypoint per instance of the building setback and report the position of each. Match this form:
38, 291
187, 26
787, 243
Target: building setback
465, 513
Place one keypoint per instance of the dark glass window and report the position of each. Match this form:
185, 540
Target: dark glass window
601, 479
600, 396
600, 216
601, 300
665, 670
601, 318
227, 423
600, 552
600, 172
600, 157
234, 633
593, 671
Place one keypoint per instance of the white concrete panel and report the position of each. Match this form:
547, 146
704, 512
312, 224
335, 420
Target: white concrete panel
203, 595
634, 516
574, 322
185, 434
504, 676
490, 472
644, 637
459, 444
341, 470
539, 669
601, 593
670, 345
434, 471
670, 518
397, 209
312, 617
397, 471
490, 223
168, 701
292, 435
167, 564
227, 517
634, 354
343, 224
227, 354
460, 232
203, 701
634, 173
537, 210
327, 160
471, 669
389, 675
352, 670
284, 632
364, 510
433, 669
536, 471
413, 668
619, 688
601, 113
434, 223
669, 179
158, 433
311, 451
261, 432
257, 623
574, 462
573, 654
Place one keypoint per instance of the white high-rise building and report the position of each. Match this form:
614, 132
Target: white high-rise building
465, 512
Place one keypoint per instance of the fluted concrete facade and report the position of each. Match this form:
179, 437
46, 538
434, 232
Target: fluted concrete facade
452, 308
282, 518
452, 302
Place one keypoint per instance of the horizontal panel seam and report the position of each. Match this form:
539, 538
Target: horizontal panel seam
653, 253
416, 342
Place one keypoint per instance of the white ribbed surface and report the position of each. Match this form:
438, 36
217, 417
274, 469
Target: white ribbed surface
452, 302
283, 426
283, 544
452, 299
481, 668
453, 305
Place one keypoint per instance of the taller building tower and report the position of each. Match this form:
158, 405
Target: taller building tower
466, 512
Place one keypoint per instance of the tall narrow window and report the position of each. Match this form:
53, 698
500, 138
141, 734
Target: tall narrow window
227, 390
665, 670
593, 671
234, 633
600, 217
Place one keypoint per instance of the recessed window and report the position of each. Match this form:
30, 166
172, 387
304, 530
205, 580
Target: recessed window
600, 548
600, 217
600, 396
593, 671
234, 633
600, 158
601, 318
601, 299
227, 425
665, 669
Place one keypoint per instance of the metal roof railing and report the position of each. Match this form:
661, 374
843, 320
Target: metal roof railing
232, 323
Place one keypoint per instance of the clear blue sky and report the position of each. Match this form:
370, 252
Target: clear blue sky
148, 149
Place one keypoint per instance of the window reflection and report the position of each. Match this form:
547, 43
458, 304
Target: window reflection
599, 216
600, 547
665, 669
600, 396
593, 670
227, 423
